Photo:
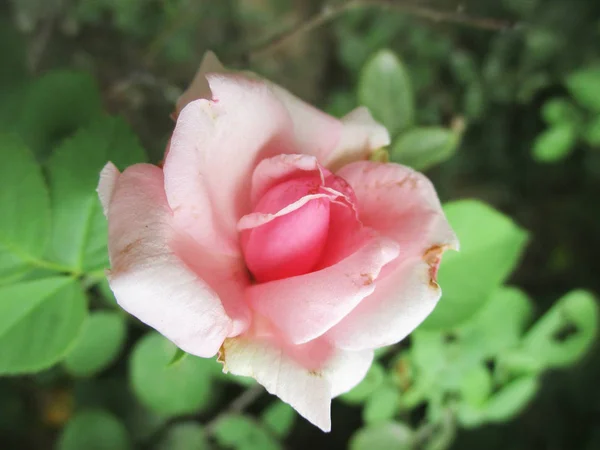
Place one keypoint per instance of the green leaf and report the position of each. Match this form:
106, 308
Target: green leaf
385, 89
476, 385
25, 206
94, 430
555, 143
279, 417
182, 388
184, 436
511, 399
242, 433
382, 405
383, 436
592, 132
559, 110
490, 247
584, 86
177, 357
79, 228
565, 333
422, 148
55, 106
367, 386
39, 322
98, 345
499, 325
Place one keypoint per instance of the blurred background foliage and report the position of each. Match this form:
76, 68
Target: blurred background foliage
505, 122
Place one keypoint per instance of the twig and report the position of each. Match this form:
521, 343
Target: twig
236, 406
330, 12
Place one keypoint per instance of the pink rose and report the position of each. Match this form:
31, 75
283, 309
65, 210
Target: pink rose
269, 237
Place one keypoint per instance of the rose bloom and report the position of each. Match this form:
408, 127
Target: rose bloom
268, 237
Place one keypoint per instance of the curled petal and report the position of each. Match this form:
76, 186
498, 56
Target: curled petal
148, 279
401, 204
106, 185
360, 135
306, 306
214, 149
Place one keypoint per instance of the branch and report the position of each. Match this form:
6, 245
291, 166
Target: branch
330, 12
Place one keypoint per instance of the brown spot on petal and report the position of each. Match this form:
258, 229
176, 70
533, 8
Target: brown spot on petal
315, 373
367, 279
410, 180
433, 257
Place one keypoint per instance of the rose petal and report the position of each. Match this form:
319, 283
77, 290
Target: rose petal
316, 133
106, 186
306, 306
214, 149
361, 134
308, 391
403, 205
199, 87
148, 280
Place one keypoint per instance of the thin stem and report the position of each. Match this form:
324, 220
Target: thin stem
237, 406
330, 12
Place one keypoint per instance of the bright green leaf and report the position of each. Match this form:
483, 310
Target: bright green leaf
56, 105
242, 433
584, 86
566, 332
98, 345
490, 247
386, 90
555, 143
559, 110
39, 321
476, 385
367, 386
382, 405
184, 436
182, 388
422, 148
279, 417
383, 436
511, 399
25, 206
498, 325
94, 430
79, 228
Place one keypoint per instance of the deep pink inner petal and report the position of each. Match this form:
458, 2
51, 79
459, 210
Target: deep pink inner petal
291, 244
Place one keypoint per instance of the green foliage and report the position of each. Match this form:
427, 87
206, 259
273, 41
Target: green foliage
279, 418
181, 388
424, 147
242, 433
382, 405
555, 143
56, 105
24, 226
184, 436
94, 430
79, 233
98, 345
584, 86
565, 333
385, 89
382, 436
39, 322
491, 245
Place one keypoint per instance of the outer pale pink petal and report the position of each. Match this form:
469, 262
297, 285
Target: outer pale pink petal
214, 149
346, 369
306, 306
316, 133
403, 205
361, 135
307, 391
106, 186
148, 280
199, 87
